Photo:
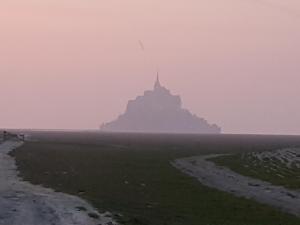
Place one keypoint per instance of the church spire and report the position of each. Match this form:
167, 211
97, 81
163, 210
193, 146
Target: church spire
157, 83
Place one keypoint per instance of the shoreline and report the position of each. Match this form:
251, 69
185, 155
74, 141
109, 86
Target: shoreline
224, 179
23, 203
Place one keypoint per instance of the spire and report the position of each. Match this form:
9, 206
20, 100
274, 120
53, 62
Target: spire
157, 83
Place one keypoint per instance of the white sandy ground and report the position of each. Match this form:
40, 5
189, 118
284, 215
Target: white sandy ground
224, 179
22, 203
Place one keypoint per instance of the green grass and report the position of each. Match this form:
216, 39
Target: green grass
134, 177
271, 170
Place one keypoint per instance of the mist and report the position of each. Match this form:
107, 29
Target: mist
75, 64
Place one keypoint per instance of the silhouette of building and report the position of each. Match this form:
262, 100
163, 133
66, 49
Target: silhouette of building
159, 111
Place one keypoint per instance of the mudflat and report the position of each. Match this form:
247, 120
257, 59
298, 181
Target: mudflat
22, 203
224, 179
131, 174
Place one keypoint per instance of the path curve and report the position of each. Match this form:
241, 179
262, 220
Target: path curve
22, 203
224, 179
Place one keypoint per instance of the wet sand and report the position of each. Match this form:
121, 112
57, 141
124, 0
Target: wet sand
22, 203
224, 179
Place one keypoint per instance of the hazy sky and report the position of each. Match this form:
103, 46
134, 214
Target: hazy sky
75, 63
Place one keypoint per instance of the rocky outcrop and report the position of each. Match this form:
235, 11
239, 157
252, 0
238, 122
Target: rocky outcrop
159, 111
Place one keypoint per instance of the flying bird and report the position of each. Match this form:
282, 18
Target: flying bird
142, 45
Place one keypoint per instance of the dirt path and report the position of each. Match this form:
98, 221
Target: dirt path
22, 203
226, 180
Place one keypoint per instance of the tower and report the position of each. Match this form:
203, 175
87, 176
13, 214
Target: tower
157, 83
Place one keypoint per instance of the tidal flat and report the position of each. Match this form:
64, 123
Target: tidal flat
131, 175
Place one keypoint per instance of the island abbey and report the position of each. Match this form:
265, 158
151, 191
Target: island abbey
158, 111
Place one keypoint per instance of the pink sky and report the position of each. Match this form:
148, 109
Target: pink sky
75, 63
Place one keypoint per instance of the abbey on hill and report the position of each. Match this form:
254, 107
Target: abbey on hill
159, 111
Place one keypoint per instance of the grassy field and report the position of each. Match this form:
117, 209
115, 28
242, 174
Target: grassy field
131, 174
271, 169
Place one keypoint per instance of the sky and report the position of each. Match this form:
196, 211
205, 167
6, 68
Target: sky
74, 64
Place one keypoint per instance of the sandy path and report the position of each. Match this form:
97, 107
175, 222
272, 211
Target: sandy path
224, 179
22, 203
